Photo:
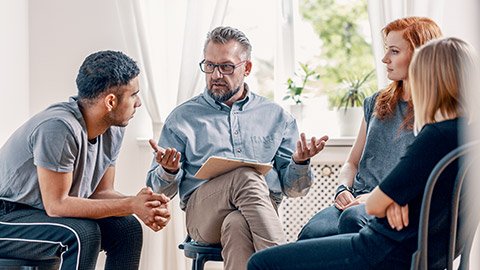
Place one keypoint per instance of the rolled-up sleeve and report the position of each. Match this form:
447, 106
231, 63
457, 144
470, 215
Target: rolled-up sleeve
296, 179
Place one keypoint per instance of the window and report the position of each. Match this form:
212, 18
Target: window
332, 36
257, 20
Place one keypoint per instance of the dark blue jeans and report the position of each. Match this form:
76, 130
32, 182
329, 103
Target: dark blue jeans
331, 221
28, 233
334, 252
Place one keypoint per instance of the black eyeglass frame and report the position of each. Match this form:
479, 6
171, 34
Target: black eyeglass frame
218, 67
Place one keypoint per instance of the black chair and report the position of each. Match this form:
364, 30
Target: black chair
23, 264
199, 253
468, 222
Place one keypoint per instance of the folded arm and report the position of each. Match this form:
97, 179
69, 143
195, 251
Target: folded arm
381, 205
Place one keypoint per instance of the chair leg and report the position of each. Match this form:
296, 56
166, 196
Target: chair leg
199, 262
194, 264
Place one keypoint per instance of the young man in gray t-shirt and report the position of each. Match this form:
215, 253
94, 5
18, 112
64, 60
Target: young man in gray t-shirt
57, 196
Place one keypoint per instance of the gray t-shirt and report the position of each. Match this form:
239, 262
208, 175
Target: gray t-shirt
55, 139
384, 146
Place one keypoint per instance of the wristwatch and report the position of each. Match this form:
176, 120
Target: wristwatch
342, 188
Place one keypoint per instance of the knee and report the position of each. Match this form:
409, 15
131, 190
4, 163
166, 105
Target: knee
234, 222
351, 220
324, 223
316, 230
305, 233
129, 228
121, 233
254, 262
87, 232
263, 259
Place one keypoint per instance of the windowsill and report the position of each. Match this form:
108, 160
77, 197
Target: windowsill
340, 142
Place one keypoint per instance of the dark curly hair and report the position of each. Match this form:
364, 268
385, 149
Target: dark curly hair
102, 71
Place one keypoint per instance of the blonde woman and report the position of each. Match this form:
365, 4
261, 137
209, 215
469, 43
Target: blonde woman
438, 85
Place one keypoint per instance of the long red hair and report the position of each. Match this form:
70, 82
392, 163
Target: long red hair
416, 31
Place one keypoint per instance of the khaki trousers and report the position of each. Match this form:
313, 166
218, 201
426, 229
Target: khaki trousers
235, 210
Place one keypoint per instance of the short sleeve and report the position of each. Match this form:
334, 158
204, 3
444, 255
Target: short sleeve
54, 146
114, 143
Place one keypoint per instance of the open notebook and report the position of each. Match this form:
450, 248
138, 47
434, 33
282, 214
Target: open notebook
216, 166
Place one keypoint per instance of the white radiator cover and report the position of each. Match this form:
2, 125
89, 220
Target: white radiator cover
326, 165
295, 212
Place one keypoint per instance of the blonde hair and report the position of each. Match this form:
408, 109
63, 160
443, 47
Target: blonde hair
416, 31
440, 78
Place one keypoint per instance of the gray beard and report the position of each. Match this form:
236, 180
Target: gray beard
224, 97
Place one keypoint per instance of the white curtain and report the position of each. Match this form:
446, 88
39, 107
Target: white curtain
284, 61
381, 12
166, 39
135, 35
194, 37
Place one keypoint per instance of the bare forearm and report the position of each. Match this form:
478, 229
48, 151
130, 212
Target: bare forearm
91, 208
347, 174
108, 194
377, 203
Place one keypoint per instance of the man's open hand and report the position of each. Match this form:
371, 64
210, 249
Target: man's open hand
307, 150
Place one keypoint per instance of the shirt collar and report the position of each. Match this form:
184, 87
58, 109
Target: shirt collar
73, 102
75, 109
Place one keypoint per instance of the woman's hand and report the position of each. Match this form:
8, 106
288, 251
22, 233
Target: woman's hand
397, 216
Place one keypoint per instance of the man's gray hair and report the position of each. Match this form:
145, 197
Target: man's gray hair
224, 34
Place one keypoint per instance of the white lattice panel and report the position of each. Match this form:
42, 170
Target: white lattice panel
295, 212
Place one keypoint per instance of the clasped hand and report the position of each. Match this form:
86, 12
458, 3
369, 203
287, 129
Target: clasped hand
346, 199
152, 209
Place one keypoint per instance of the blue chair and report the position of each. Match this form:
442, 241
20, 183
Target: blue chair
23, 264
200, 254
463, 221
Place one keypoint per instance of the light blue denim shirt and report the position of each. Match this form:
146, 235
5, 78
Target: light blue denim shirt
254, 128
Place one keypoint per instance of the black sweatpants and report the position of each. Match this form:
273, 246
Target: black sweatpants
30, 233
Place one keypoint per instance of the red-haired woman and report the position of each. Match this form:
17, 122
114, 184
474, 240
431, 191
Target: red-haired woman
385, 133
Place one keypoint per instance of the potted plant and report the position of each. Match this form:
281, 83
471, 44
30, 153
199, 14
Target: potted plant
296, 90
348, 102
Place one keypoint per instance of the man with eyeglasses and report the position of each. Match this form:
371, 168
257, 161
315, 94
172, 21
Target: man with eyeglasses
238, 208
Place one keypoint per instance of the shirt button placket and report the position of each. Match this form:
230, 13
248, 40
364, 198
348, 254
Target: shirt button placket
237, 144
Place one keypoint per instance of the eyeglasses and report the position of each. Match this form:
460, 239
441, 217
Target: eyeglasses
225, 69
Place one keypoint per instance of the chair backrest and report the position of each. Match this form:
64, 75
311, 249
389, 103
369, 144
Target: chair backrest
468, 226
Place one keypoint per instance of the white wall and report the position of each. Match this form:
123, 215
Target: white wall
460, 20
13, 66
